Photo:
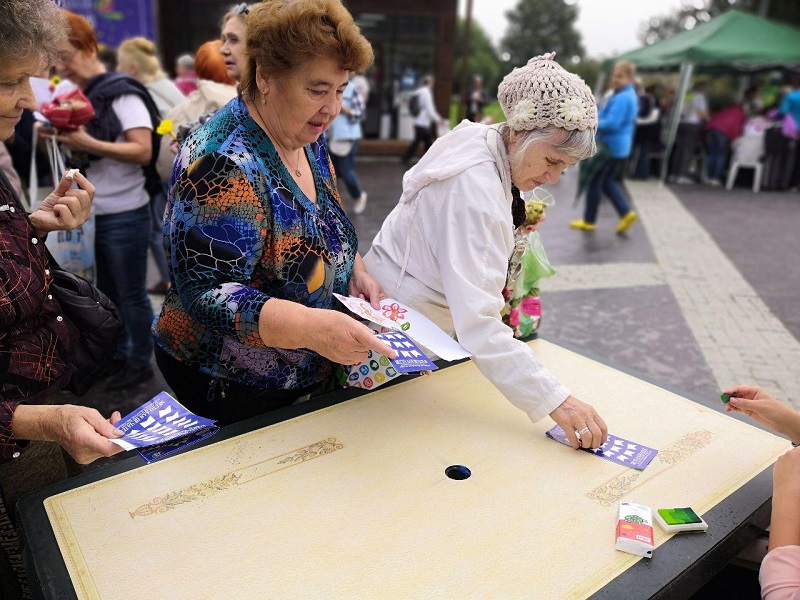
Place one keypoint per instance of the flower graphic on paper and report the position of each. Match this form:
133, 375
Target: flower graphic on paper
572, 109
165, 127
394, 312
513, 318
525, 112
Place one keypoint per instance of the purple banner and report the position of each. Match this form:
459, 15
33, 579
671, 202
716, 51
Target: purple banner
117, 20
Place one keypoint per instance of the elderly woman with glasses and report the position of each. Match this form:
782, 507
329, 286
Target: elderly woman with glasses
445, 248
35, 337
257, 236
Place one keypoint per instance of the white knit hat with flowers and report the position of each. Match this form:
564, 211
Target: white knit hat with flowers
542, 93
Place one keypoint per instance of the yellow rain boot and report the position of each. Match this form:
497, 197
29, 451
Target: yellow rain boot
582, 225
626, 222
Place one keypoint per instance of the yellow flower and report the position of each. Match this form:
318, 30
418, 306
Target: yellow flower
55, 80
165, 127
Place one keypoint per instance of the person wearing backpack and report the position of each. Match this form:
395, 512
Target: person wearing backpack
423, 110
113, 149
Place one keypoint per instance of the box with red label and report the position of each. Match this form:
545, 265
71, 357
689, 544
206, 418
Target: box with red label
635, 529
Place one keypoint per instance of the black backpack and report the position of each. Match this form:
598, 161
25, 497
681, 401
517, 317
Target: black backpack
414, 105
102, 90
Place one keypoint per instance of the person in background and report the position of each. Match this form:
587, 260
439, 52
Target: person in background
214, 89
780, 570
724, 126
476, 100
185, 75
138, 57
108, 56
258, 237
35, 339
234, 40
344, 137
445, 248
615, 126
695, 111
426, 118
118, 142
361, 84
648, 130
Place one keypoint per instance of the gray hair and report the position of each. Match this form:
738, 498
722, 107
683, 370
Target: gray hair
186, 61
31, 28
576, 143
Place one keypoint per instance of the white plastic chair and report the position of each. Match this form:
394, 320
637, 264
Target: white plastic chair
748, 151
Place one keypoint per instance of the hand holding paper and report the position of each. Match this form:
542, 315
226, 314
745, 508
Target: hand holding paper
344, 340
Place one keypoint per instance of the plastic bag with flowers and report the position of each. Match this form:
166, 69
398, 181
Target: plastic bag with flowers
528, 265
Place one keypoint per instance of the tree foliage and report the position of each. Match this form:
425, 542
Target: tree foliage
539, 26
483, 59
698, 11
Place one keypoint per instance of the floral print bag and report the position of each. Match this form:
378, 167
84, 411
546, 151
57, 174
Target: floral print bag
528, 265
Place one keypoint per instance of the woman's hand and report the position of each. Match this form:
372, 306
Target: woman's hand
785, 527
363, 286
532, 226
763, 408
342, 339
573, 416
65, 208
81, 431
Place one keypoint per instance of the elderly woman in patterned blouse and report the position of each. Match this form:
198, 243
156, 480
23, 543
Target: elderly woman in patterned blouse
255, 232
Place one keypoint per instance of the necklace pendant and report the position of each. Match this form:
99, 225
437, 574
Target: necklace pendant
297, 172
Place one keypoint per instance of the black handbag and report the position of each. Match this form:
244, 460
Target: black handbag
98, 323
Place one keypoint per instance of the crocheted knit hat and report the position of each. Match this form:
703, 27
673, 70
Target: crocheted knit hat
542, 93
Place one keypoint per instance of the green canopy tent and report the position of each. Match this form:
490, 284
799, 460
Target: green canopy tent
735, 39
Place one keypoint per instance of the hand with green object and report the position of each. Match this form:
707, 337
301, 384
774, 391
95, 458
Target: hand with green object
763, 408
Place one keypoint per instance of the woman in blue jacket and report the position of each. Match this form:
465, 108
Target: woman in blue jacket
615, 127
344, 137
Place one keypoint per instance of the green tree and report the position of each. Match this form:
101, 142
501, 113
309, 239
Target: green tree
483, 59
660, 28
539, 26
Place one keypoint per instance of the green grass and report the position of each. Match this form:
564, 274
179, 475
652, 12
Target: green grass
492, 110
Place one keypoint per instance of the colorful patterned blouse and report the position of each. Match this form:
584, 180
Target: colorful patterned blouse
35, 338
239, 231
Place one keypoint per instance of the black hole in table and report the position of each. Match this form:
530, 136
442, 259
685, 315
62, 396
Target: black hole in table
457, 472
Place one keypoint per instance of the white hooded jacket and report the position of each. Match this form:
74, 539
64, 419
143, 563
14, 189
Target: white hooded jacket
444, 251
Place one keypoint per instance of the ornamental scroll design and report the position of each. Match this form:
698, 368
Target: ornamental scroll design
210, 487
612, 491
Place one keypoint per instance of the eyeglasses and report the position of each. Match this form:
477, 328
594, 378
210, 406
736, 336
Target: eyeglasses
241, 9
65, 57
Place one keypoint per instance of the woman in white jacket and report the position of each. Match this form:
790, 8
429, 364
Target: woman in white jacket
445, 248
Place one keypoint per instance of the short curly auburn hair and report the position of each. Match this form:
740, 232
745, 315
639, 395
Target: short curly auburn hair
283, 34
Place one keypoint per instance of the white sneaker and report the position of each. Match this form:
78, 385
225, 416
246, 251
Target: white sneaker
360, 204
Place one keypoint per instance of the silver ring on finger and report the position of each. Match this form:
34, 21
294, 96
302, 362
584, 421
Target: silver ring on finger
584, 431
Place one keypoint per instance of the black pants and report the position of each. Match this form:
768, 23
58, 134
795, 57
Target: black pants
220, 399
421, 134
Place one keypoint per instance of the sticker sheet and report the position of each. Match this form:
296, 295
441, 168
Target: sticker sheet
399, 317
159, 420
616, 449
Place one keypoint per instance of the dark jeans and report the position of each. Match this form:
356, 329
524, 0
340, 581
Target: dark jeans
716, 154
685, 145
643, 162
158, 204
606, 182
121, 254
220, 399
421, 134
346, 170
